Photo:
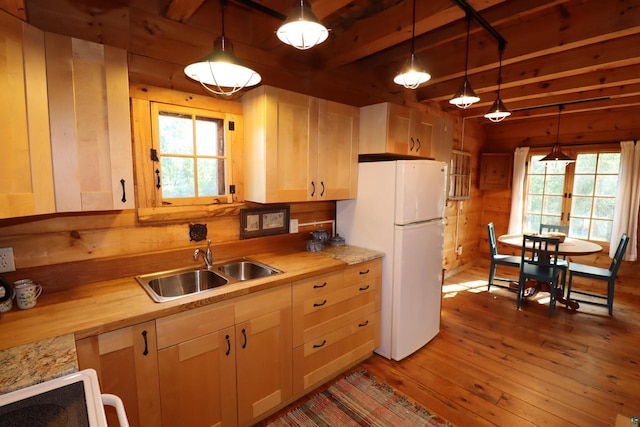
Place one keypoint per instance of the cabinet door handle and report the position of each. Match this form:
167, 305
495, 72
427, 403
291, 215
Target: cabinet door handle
365, 272
124, 196
320, 345
412, 144
158, 177
313, 186
146, 346
320, 304
365, 288
419, 144
362, 325
228, 345
244, 336
320, 286
322, 192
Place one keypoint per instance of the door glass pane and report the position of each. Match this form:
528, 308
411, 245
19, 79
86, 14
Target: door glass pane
177, 177
606, 185
609, 163
586, 163
583, 185
600, 230
581, 206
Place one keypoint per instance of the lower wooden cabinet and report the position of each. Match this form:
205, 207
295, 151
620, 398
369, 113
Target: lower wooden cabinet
126, 363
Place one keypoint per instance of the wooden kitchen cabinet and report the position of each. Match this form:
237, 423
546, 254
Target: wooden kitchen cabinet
127, 366
88, 95
388, 128
26, 182
495, 171
298, 148
197, 367
263, 352
336, 323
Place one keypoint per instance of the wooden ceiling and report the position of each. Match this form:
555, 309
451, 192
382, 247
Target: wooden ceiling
558, 51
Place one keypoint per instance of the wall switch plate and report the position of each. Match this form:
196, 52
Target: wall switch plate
6, 260
293, 225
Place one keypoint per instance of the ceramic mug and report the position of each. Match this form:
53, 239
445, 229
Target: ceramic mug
27, 292
7, 304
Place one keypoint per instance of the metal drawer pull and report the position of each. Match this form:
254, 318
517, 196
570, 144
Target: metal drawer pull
320, 286
146, 347
124, 196
320, 345
244, 335
228, 345
321, 304
362, 325
365, 288
313, 185
365, 272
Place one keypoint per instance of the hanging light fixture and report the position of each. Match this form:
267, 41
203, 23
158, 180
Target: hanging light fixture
220, 72
556, 154
498, 112
412, 73
465, 96
302, 29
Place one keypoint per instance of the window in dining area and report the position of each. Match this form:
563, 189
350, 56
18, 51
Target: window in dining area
580, 195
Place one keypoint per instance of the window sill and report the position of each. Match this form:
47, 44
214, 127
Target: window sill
182, 213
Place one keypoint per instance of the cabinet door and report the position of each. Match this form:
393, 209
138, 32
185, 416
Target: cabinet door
26, 182
421, 134
197, 381
263, 353
399, 135
337, 155
126, 363
90, 129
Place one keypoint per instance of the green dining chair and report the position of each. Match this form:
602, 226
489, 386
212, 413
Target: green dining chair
499, 259
554, 228
597, 273
540, 266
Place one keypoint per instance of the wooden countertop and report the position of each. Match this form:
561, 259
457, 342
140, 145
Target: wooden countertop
104, 306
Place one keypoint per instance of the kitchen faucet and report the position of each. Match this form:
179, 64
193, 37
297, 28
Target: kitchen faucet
206, 255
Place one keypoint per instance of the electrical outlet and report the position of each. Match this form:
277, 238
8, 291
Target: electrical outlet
459, 250
293, 225
6, 260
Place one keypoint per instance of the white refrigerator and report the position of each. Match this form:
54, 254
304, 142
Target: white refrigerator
399, 210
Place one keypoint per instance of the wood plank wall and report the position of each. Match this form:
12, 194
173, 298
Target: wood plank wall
580, 128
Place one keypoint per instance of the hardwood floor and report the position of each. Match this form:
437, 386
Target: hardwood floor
494, 365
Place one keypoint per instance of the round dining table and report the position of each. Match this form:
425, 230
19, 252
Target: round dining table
569, 247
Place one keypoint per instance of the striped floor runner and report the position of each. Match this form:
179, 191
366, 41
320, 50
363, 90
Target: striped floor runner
359, 400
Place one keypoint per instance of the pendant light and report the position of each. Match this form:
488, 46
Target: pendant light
465, 96
556, 154
220, 72
498, 112
302, 29
412, 73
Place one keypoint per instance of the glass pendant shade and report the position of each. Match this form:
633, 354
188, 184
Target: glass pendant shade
412, 74
220, 72
302, 29
498, 112
465, 96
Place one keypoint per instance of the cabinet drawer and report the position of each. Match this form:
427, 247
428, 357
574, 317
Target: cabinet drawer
316, 286
321, 359
362, 272
191, 324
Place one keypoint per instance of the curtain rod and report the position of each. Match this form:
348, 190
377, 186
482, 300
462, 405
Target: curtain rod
582, 144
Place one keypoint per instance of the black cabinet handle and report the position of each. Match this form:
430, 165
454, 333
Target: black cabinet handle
320, 304
158, 176
313, 192
365, 288
124, 196
244, 336
146, 347
320, 345
419, 144
320, 286
412, 144
228, 345
362, 325
365, 272
322, 184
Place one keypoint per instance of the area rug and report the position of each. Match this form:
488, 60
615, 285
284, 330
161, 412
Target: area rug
359, 400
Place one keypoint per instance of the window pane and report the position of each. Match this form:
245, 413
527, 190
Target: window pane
603, 207
556, 168
579, 227
536, 184
211, 177
176, 133
609, 163
554, 184
552, 205
586, 163
581, 206
532, 224
606, 185
583, 185
537, 168
601, 230
208, 140
177, 177
534, 204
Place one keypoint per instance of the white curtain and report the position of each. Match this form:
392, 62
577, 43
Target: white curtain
625, 216
517, 189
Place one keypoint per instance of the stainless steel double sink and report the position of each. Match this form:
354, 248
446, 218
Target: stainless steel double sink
172, 284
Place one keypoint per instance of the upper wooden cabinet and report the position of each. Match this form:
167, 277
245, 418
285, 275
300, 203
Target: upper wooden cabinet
395, 129
298, 148
26, 184
495, 171
88, 91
